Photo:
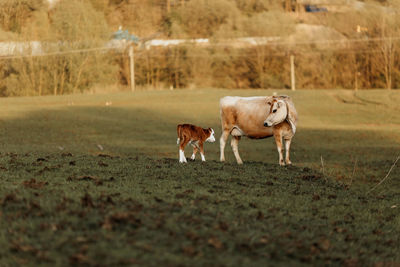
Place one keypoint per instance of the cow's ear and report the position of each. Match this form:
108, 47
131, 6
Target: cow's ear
292, 116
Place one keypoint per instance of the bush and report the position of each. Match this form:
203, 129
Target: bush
202, 18
75, 26
14, 14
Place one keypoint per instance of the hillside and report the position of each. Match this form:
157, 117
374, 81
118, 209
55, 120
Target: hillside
185, 18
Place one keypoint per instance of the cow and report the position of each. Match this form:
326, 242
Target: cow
257, 118
194, 135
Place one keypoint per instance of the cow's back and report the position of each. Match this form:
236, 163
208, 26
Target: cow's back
247, 114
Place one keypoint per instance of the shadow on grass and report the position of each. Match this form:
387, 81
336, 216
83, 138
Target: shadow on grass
133, 131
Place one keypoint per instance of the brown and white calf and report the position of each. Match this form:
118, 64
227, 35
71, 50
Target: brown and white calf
195, 136
258, 117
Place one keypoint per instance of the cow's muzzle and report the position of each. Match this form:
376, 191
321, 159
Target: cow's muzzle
266, 124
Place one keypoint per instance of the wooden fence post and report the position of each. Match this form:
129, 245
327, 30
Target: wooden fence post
132, 67
292, 76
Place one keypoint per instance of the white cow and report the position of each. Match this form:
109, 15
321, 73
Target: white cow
258, 117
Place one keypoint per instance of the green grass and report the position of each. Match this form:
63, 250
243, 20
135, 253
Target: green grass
64, 201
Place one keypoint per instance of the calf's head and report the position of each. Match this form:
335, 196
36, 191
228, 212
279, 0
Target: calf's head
277, 113
211, 137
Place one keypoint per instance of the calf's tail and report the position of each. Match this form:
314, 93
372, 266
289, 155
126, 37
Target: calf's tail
178, 130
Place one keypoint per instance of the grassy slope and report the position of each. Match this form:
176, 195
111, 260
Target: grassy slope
137, 202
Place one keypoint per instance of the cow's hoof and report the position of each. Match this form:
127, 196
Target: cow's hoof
282, 163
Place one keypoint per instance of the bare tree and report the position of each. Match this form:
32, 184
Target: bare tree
383, 26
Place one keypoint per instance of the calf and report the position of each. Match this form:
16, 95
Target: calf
194, 135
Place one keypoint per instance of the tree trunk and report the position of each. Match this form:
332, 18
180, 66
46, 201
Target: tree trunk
288, 5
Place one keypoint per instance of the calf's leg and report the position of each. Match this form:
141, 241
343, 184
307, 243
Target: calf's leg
235, 148
202, 152
195, 149
182, 158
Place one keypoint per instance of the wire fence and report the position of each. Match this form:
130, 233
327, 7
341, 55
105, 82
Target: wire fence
340, 45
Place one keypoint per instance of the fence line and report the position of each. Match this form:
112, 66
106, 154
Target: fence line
140, 54
235, 43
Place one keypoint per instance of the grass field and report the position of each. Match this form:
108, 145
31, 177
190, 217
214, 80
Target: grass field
95, 180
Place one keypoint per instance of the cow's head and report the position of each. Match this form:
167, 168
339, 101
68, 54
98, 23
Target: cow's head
277, 113
211, 137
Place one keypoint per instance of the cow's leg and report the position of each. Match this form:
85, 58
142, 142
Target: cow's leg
287, 148
202, 152
222, 143
278, 140
195, 149
235, 148
182, 146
